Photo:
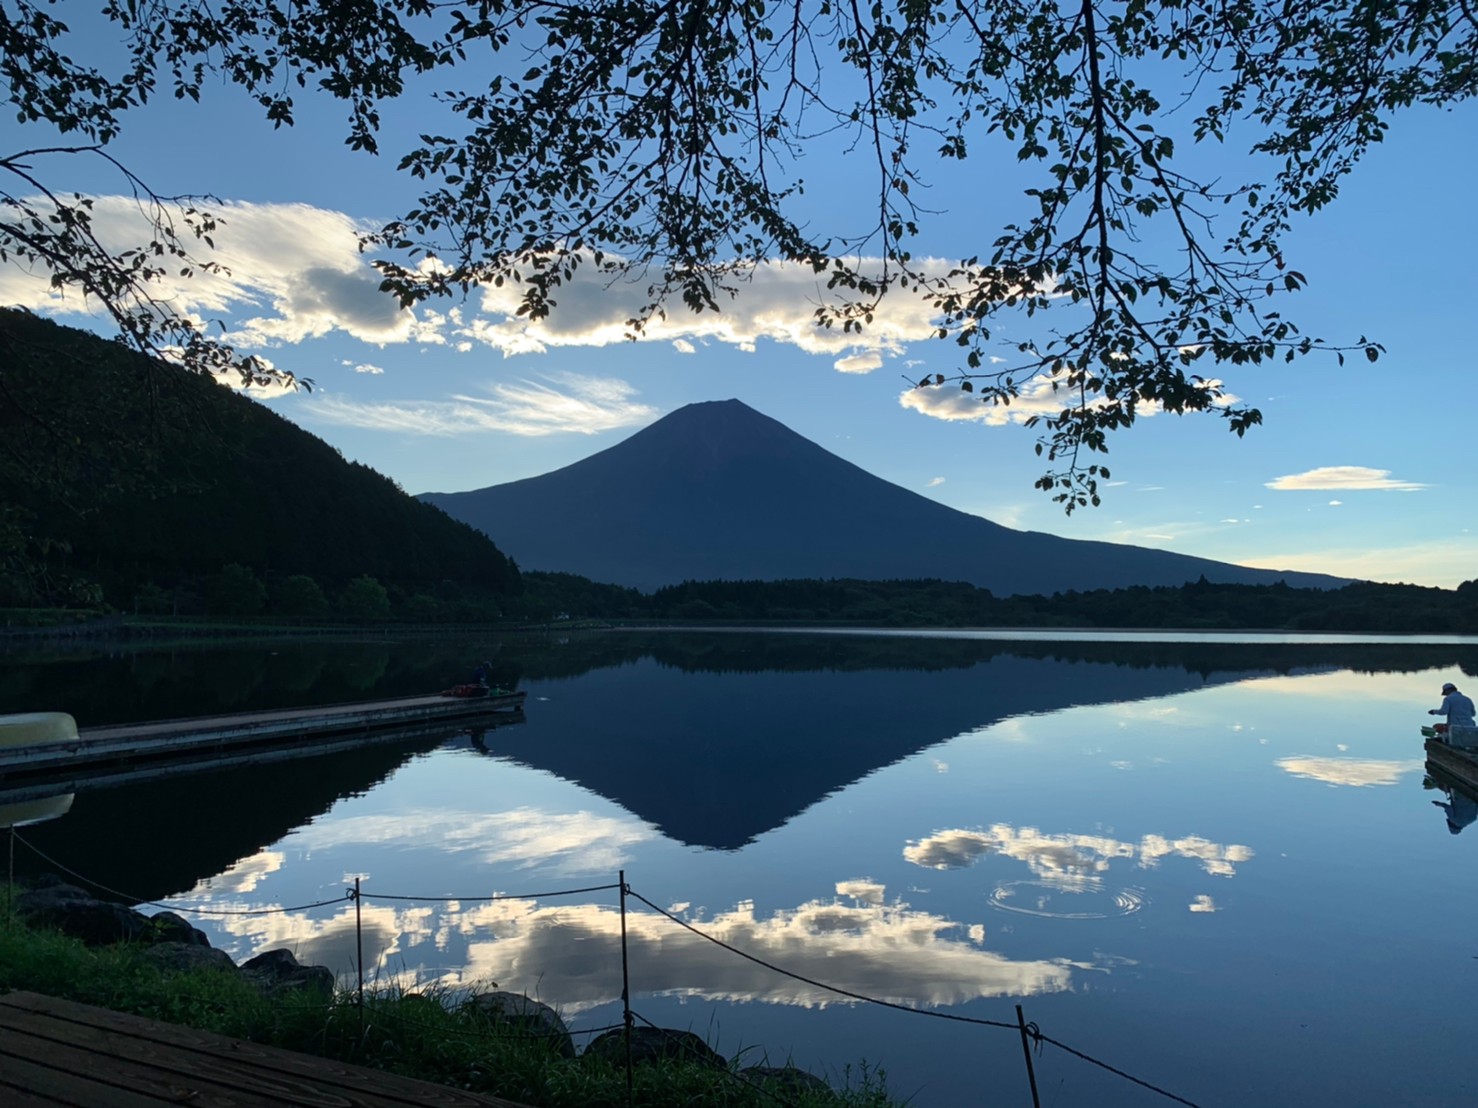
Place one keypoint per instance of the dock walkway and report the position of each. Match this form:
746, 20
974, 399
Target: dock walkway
208, 736
61, 1052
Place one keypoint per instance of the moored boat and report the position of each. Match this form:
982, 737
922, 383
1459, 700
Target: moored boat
37, 728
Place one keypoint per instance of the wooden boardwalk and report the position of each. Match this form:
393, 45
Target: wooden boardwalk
60, 1052
207, 736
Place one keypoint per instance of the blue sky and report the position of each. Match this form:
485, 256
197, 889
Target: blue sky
1362, 470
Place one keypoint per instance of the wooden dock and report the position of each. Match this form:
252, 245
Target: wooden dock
1457, 765
61, 1052
97, 749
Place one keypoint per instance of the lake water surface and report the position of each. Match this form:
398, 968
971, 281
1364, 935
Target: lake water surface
1216, 865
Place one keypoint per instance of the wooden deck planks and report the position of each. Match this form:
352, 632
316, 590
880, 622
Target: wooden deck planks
69, 1053
38, 1083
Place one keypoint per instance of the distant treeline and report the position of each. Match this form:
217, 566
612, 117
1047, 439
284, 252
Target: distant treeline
928, 603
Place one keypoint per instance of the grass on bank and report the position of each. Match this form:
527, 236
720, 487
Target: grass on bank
413, 1034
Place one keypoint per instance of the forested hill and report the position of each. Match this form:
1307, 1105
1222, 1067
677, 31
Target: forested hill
122, 478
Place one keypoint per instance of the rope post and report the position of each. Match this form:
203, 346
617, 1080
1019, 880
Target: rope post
359, 957
1031, 1073
10, 881
625, 991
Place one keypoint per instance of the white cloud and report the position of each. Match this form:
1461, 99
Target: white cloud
570, 403
934, 482
276, 386
366, 367
1342, 478
778, 301
301, 262
859, 363
1348, 771
293, 272
1036, 398
1203, 903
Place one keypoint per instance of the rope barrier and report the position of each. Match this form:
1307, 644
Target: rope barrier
1036, 1034
820, 984
344, 899
486, 899
1031, 1030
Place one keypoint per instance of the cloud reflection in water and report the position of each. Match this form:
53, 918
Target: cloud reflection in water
1348, 771
1067, 859
567, 842
570, 955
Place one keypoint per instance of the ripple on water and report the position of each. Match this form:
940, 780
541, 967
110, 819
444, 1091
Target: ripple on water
1059, 901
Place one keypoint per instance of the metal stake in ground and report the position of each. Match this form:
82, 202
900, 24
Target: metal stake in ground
625, 989
359, 957
1031, 1073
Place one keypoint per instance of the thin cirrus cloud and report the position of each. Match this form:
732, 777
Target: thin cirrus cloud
560, 403
1342, 479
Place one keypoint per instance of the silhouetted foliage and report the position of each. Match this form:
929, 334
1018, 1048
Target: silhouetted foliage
665, 143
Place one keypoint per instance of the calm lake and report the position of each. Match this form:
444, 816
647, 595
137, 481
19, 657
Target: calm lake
1214, 864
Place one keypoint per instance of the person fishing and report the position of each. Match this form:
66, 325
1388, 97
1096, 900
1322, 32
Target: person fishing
1458, 709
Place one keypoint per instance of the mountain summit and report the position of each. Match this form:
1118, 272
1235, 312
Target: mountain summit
718, 491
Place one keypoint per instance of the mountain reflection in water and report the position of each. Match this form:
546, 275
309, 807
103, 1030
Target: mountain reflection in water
1184, 856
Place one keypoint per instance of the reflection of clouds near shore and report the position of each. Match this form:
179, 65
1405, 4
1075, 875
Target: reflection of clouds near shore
570, 842
1348, 771
570, 956
1064, 859
244, 876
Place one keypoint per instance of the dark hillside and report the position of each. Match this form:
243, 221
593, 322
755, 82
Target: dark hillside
121, 473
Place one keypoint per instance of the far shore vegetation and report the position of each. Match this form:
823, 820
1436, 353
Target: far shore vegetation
417, 1033
236, 601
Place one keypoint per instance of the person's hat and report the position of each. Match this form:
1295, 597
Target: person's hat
1449, 687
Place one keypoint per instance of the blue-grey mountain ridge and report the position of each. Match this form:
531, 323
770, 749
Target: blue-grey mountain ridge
717, 491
